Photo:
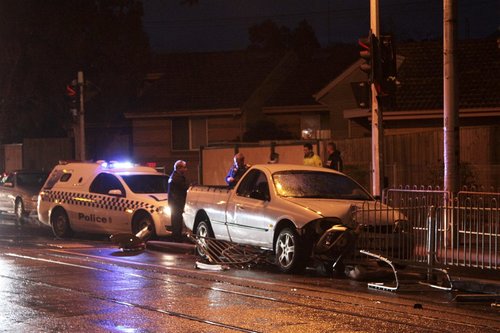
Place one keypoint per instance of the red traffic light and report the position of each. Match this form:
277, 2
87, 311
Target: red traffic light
366, 53
370, 52
71, 91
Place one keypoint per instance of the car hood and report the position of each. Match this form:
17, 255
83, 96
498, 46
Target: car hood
157, 196
325, 207
366, 212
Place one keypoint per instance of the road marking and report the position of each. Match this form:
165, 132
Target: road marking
52, 261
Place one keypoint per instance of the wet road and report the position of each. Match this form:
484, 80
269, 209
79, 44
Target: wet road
86, 285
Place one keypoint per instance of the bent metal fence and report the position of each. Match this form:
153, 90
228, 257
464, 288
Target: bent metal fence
433, 229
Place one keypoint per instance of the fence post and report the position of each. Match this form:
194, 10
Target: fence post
431, 250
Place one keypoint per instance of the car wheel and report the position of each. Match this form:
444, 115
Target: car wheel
60, 224
203, 230
19, 209
142, 221
289, 252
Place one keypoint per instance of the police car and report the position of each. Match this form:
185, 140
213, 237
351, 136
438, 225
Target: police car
104, 198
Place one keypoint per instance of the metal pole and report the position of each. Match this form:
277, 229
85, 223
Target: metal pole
377, 128
451, 135
431, 250
81, 117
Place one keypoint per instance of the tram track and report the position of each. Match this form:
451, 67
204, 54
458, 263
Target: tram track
277, 293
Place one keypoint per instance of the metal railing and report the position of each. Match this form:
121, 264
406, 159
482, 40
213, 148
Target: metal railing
431, 228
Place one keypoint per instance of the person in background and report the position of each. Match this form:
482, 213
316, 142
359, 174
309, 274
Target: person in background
310, 158
177, 190
334, 159
237, 170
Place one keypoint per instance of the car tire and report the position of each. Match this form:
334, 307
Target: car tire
20, 212
203, 230
140, 222
290, 254
60, 224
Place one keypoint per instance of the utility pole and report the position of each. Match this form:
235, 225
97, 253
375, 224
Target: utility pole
81, 118
451, 135
377, 128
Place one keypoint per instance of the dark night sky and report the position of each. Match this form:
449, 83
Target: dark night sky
223, 24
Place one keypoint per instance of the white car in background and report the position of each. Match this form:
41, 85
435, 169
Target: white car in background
19, 192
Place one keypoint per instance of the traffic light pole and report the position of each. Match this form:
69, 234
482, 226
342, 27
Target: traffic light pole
451, 123
81, 119
377, 128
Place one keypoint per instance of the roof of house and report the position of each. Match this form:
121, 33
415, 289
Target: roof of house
421, 75
312, 74
226, 80
214, 80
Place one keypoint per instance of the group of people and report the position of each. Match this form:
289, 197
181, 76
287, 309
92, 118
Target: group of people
178, 185
334, 160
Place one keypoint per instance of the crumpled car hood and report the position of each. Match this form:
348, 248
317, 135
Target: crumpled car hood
325, 207
367, 212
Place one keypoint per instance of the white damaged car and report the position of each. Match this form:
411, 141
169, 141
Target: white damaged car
297, 212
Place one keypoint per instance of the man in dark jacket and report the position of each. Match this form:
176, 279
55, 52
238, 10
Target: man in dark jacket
177, 190
334, 159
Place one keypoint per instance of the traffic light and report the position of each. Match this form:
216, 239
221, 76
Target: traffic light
371, 54
388, 82
73, 97
361, 91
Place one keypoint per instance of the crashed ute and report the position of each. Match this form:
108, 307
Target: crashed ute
298, 212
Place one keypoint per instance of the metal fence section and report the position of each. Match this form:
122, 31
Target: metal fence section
427, 227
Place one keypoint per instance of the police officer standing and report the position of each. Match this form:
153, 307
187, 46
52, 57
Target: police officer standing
237, 170
177, 190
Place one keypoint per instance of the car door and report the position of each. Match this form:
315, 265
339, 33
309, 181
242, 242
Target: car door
248, 218
105, 214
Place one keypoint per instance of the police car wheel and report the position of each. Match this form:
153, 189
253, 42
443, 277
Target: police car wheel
142, 221
60, 224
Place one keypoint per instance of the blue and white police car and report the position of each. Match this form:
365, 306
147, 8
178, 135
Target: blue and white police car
104, 198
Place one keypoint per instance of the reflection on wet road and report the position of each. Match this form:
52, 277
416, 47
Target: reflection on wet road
85, 284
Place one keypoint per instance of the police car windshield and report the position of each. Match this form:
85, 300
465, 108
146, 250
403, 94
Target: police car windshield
146, 183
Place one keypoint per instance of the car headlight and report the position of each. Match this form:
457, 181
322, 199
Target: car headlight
164, 210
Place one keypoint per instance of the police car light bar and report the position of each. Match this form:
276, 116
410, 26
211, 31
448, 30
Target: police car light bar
115, 164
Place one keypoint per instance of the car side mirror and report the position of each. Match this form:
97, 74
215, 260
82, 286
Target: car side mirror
116, 192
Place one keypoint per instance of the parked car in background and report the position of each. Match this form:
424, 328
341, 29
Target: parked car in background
19, 193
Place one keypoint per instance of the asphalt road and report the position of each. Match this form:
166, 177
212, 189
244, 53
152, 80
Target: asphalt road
86, 284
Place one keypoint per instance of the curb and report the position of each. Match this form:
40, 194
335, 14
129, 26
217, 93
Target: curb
171, 247
476, 286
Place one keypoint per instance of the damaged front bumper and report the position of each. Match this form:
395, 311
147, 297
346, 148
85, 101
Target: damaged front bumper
335, 243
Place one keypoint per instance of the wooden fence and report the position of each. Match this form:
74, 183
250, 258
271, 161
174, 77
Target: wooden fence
417, 158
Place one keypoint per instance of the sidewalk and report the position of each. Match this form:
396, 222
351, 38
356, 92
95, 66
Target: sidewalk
483, 281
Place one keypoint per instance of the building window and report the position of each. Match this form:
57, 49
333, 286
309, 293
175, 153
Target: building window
188, 133
310, 126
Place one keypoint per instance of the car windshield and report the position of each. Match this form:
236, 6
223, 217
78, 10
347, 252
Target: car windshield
317, 184
32, 179
146, 183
